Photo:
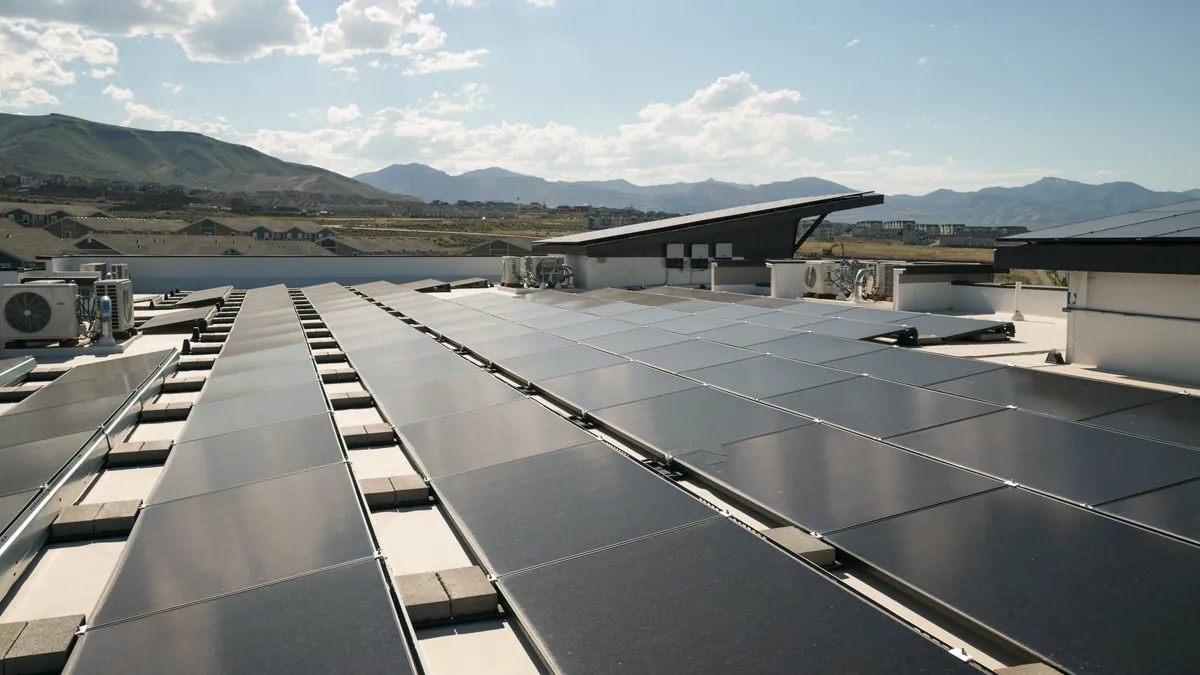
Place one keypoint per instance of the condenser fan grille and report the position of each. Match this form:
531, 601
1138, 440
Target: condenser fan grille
27, 312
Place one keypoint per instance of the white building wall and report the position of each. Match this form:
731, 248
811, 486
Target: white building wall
787, 280
1149, 326
618, 272
159, 274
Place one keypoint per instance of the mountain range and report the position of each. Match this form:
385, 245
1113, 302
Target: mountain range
1045, 203
58, 144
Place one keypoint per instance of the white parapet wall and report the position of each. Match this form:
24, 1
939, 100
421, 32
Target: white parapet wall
159, 274
787, 279
1145, 325
967, 295
594, 273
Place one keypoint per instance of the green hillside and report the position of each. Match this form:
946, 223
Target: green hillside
71, 146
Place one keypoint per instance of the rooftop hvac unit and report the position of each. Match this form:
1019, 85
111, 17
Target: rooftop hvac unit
119, 270
816, 277
93, 267
546, 272
120, 292
882, 280
510, 271
39, 312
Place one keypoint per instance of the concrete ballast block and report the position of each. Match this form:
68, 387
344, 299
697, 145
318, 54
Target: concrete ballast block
347, 400
804, 545
470, 592
43, 646
155, 452
410, 490
75, 522
378, 492
116, 518
1029, 669
424, 597
125, 454
8, 635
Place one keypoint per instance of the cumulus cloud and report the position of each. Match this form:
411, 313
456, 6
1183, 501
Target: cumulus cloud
442, 61
338, 115
541, 3
34, 56
175, 88
117, 93
240, 30
468, 98
853, 42
922, 61
29, 98
378, 26
101, 73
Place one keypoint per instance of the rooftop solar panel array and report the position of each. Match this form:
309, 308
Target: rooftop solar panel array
566, 522
210, 296
42, 434
233, 566
1174, 222
902, 467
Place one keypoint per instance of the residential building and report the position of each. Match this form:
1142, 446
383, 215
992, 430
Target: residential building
179, 245
267, 229
40, 215
21, 246
73, 228
359, 246
501, 247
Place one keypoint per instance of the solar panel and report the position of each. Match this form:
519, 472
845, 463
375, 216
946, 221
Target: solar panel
543, 366
414, 371
591, 329
523, 311
875, 315
817, 348
766, 376
691, 355
1175, 420
692, 324
857, 330
644, 599
37, 425
622, 383
559, 504
1087, 575
253, 410
497, 332
948, 327
209, 296
56, 394
1073, 461
693, 419
265, 358
813, 308
735, 312
696, 306
1072, 398
558, 320
242, 457
488, 436
111, 366
614, 309
181, 321
445, 396
634, 340
520, 345
778, 319
652, 315
12, 505
396, 351
1161, 228
1171, 509
1088, 226
879, 408
231, 540
769, 303
825, 479
265, 379
30, 465
744, 334
911, 367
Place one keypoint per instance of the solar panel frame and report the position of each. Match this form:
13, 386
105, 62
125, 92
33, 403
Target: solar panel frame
441, 397
559, 362
764, 377
818, 349
912, 367
691, 355
1171, 509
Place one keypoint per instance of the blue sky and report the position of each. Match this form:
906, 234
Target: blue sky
891, 96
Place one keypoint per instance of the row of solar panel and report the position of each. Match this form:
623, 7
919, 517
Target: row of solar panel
253, 552
1163, 223
568, 523
894, 507
42, 434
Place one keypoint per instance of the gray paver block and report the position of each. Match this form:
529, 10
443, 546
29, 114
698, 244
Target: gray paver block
424, 597
379, 433
379, 493
154, 452
75, 521
355, 436
410, 490
1028, 669
8, 635
470, 591
125, 454
804, 545
43, 646
116, 517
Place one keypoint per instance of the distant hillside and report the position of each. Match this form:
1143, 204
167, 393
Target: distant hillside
57, 144
1047, 202
501, 185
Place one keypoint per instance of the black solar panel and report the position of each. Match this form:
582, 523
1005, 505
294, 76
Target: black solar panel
558, 320
265, 379
1073, 398
558, 504
857, 330
253, 410
614, 309
825, 479
488, 436
744, 334
210, 296
30, 465
875, 315
445, 396
231, 540
638, 339
912, 367
242, 457
691, 355
643, 600
178, 321
1175, 420
54, 394
817, 348
693, 419
948, 327
546, 365
591, 329
12, 505
766, 376
778, 319
690, 325
1173, 509
520, 345
612, 385
1073, 461
878, 408
413, 371
486, 333
735, 312
37, 425
652, 315
1086, 593
399, 351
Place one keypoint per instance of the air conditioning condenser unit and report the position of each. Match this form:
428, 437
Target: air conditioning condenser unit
38, 312
120, 292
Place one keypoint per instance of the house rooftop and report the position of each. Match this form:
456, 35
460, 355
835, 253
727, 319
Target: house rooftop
128, 224
46, 209
179, 245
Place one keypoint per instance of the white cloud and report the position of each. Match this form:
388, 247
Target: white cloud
29, 98
40, 56
853, 42
175, 88
904, 154
541, 3
468, 98
378, 26
442, 61
118, 93
101, 73
144, 116
350, 72
240, 30
460, 3
338, 115
922, 61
